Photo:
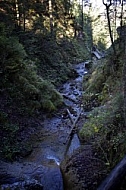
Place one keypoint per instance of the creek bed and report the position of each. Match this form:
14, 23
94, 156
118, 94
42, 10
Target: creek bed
41, 168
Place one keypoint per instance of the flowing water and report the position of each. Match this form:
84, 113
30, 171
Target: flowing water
41, 170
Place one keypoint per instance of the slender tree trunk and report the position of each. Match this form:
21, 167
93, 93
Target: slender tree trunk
17, 11
24, 16
17, 15
51, 17
122, 35
82, 16
124, 77
121, 22
109, 24
124, 63
75, 29
110, 31
115, 19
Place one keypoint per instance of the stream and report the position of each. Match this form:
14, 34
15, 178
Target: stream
41, 169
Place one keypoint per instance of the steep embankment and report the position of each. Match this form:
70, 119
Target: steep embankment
31, 68
103, 133
52, 142
104, 98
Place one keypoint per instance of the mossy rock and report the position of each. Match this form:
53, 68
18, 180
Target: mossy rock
83, 170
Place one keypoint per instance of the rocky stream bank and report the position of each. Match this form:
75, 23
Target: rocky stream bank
58, 160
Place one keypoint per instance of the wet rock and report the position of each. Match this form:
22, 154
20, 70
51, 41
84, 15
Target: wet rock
82, 170
25, 151
6, 178
53, 179
31, 176
23, 185
48, 175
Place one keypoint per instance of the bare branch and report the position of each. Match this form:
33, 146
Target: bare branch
107, 5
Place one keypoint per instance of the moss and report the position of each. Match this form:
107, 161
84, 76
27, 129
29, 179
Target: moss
56, 98
9, 146
103, 98
97, 119
104, 127
30, 64
48, 105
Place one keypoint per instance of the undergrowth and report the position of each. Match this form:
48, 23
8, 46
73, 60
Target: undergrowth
104, 101
32, 66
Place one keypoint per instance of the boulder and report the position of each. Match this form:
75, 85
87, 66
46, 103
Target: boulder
83, 170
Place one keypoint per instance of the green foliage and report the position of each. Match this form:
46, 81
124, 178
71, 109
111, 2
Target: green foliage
94, 124
23, 92
51, 55
41, 93
31, 63
105, 129
93, 85
80, 50
9, 147
20, 76
103, 95
12, 55
103, 81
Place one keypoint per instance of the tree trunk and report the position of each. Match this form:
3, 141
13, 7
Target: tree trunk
51, 17
109, 25
72, 131
17, 12
82, 16
110, 32
124, 76
24, 11
121, 17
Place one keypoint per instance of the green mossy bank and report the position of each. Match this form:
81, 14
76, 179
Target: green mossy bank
103, 134
103, 99
32, 67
